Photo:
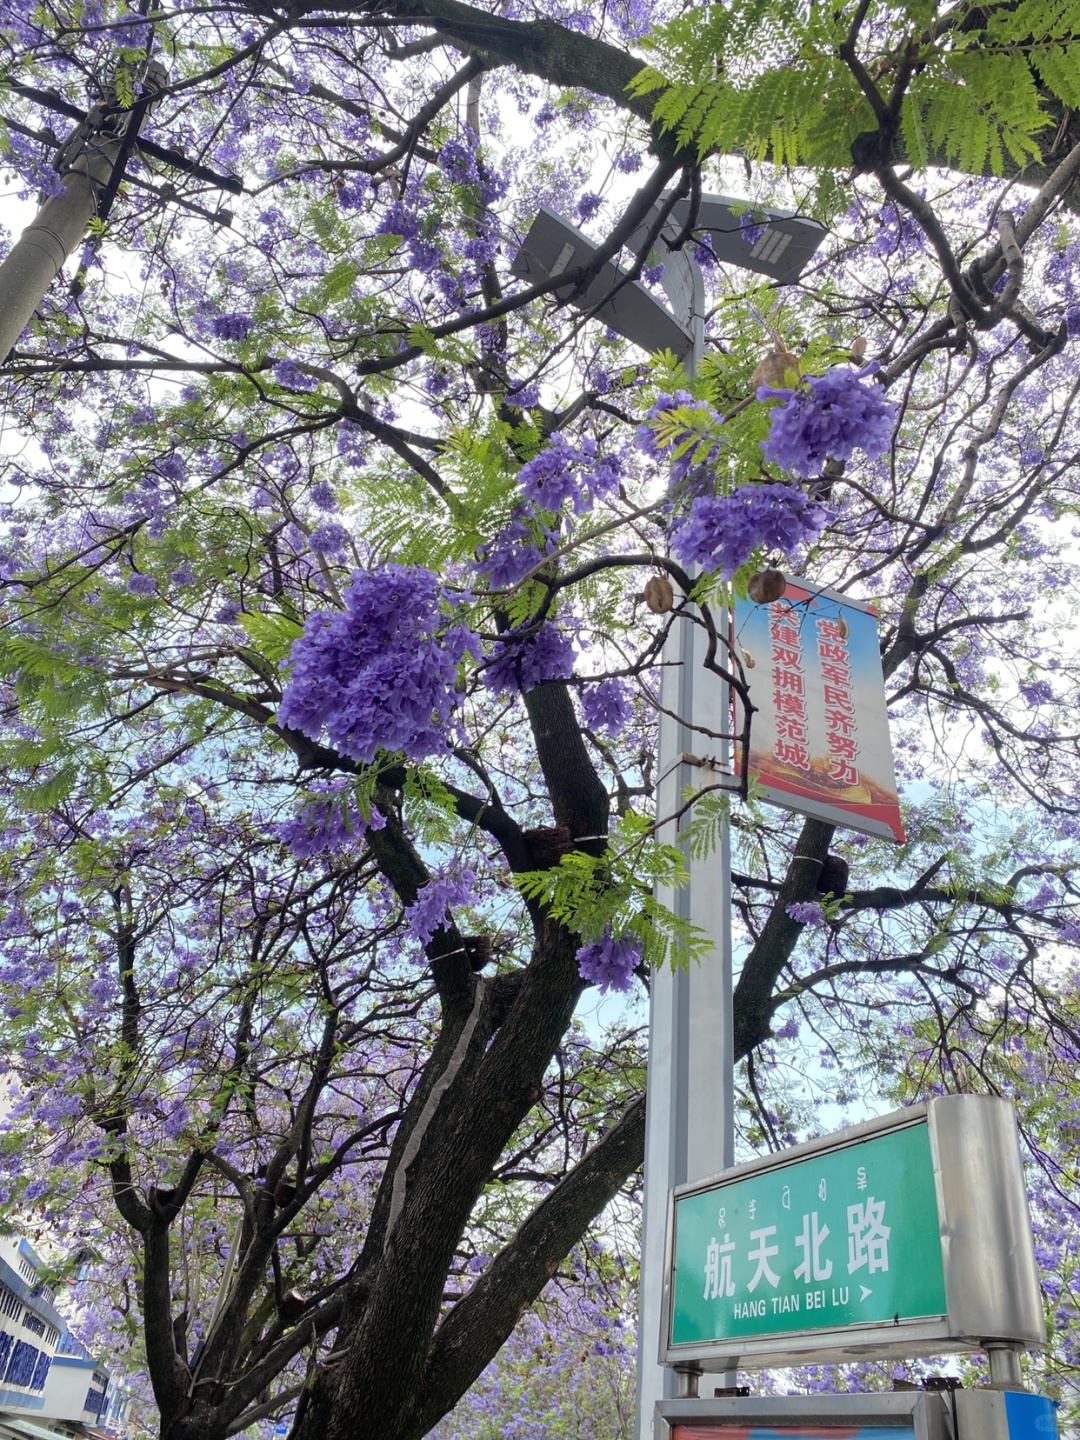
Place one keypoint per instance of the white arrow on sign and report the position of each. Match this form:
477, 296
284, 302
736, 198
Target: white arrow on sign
865, 1292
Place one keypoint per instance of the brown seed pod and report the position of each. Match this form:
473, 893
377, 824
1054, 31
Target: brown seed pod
843, 627
659, 596
766, 586
858, 347
748, 660
774, 369
293, 1305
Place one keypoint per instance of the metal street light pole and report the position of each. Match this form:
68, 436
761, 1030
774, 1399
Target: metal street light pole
689, 1116
689, 1126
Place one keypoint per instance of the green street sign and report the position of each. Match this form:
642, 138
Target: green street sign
849, 1237
907, 1235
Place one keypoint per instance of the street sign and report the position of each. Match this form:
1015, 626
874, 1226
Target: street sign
847, 1237
819, 740
1004, 1415
907, 1235
981, 1414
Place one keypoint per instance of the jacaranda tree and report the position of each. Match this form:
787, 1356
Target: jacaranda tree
330, 685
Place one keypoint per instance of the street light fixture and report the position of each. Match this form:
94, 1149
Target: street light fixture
775, 243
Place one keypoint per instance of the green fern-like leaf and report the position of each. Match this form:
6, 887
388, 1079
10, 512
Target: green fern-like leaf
1058, 67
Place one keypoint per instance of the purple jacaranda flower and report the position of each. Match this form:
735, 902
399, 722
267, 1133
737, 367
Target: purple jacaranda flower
521, 661
457, 160
609, 963
826, 417
233, 326
379, 675
806, 912
607, 706
1038, 692
588, 205
329, 538
289, 374
442, 892
327, 824
723, 531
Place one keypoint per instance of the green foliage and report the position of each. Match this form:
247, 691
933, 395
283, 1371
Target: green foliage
702, 831
273, 633
430, 810
614, 891
770, 81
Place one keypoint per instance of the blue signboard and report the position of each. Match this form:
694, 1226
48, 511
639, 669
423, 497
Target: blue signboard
1030, 1417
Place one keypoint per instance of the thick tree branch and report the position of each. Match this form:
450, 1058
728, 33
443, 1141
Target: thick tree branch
480, 1322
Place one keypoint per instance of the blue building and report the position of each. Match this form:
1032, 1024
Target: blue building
50, 1386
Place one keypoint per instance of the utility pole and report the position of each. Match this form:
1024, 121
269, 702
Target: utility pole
690, 1121
91, 165
689, 1116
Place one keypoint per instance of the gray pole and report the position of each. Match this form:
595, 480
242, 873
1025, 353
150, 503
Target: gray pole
689, 1124
86, 163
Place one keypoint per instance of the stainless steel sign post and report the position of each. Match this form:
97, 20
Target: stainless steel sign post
908, 1235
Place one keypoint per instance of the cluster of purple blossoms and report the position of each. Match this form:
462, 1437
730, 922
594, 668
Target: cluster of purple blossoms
459, 161
327, 824
565, 472
1038, 692
806, 912
587, 206
140, 584
401, 220
234, 326
322, 495
379, 675
562, 472
609, 963
522, 660
329, 538
607, 706
723, 531
829, 416
441, 893
288, 373
514, 551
